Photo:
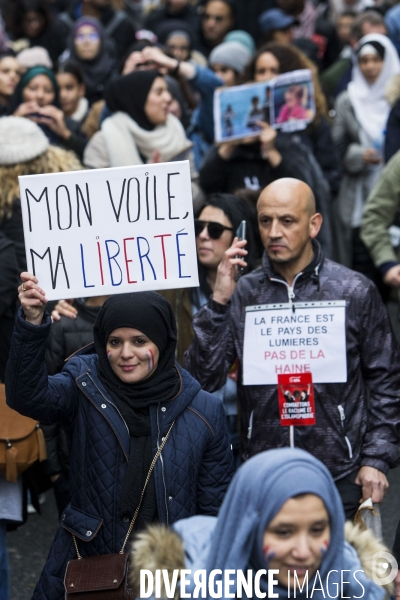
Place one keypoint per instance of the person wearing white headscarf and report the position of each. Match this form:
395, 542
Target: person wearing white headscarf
359, 132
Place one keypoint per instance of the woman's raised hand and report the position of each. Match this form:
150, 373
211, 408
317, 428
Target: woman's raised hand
159, 58
33, 298
165, 63
267, 141
225, 282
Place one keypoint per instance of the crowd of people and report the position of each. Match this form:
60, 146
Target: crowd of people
93, 84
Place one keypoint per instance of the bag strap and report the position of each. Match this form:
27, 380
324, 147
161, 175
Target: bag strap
156, 457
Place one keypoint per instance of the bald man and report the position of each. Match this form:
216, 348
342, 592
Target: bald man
357, 442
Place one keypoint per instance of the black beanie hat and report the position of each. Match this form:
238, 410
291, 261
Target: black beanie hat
148, 312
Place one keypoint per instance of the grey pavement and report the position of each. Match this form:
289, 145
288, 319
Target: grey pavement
29, 545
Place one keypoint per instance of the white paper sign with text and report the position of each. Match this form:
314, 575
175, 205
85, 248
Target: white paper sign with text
309, 339
108, 231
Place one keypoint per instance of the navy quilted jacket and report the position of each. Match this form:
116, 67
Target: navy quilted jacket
191, 476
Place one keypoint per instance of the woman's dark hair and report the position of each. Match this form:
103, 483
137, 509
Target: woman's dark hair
289, 59
72, 69
20, 8
237, 210
7, 54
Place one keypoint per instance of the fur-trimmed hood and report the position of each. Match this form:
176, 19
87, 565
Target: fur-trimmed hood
366, 545
159, 547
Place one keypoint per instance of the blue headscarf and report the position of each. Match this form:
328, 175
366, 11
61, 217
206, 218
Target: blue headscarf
257, 493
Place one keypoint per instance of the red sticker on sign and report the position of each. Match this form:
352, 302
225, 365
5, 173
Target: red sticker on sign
296, 399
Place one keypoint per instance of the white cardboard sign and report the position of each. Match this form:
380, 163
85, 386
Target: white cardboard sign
108, 231
311, 338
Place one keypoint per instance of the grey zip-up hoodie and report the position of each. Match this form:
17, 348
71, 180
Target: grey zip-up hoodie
357, 422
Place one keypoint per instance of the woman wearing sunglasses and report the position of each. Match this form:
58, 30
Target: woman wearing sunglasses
215, 228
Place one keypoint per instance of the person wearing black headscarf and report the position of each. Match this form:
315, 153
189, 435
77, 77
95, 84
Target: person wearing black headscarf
154, 317
129, 93
96, 58
141, 129
118, 400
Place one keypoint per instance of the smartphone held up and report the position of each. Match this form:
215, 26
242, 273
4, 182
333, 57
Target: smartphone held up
241, 235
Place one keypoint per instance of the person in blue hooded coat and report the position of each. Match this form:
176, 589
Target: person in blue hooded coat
117, 399
282, 513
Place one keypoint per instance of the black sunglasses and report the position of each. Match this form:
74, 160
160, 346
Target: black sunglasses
215, 230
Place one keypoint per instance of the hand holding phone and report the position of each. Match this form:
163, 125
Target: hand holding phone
241, 235
40, 117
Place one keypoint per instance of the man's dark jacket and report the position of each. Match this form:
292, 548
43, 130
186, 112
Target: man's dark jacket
371, 425
191, 476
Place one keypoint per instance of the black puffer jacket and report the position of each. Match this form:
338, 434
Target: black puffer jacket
373, 361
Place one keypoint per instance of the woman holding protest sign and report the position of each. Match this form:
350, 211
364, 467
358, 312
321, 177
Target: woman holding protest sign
274, 59
119, 400
280, 528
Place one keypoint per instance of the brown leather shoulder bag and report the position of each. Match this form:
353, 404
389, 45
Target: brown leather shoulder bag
105, 577
21, 440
